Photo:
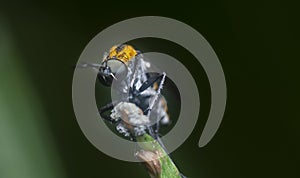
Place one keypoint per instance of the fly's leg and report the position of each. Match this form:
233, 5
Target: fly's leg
146, 85
149, 83
182, 176
105, 109
151, 80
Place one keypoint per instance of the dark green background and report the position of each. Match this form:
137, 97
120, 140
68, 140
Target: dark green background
256, 43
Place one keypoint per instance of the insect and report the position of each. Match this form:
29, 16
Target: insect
140, 105
124, 69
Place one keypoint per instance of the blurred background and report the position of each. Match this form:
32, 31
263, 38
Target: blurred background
256, 42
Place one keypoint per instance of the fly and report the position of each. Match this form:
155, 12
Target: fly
140, 109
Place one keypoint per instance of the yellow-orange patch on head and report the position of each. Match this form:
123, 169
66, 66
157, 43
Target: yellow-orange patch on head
123, 53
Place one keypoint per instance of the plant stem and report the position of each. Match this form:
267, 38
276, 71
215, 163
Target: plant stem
156, 160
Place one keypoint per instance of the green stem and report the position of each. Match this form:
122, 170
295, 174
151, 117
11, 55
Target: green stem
157, 161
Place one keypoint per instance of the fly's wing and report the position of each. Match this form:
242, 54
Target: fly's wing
143, 81
138, 72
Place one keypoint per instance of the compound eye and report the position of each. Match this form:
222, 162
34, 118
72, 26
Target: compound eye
103, 78
118, 68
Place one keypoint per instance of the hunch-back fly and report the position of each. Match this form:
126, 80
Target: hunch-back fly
140, 108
